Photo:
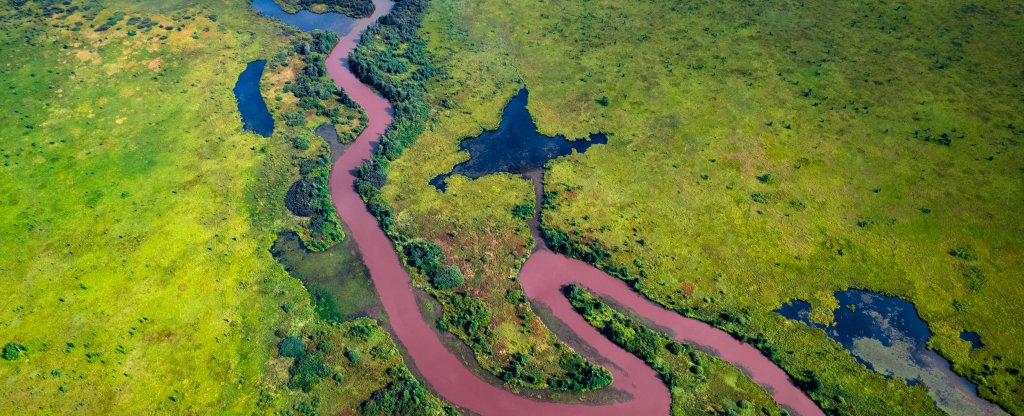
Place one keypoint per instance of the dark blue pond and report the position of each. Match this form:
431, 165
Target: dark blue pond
305, 19
255, 116
515, 147
886, 334
973, 338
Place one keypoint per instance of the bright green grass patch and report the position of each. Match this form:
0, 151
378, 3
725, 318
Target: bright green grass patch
757, 153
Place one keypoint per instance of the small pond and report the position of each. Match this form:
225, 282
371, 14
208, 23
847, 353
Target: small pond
255, 115
515, 147
887, 335
336, 278
306, 20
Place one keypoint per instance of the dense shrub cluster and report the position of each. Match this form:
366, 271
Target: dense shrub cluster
428, 257
291, 347
311, 197
13, 351
404, 396
580, 375
471, 316
309, 366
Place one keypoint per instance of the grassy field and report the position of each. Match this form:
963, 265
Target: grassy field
758, 153
136, 219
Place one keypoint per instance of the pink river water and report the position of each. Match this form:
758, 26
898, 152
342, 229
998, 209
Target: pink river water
542, 276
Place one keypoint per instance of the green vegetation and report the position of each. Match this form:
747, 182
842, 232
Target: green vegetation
889, 133
699, 383
404, 396
354, 8
138, 217
305, 96
393, 58
14, 351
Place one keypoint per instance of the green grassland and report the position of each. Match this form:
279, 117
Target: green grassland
137, 219
758, 153
699, 383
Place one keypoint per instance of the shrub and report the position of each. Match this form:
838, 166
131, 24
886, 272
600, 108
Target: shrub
523, 211
446, 277
424, 255
13, 351
308, 370
353, 356
291, 347
300, 143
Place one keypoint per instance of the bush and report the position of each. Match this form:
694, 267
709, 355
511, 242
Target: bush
13, 351
299, 198
291, 347
353, 356
446, 277
423, 255
308, 370
523, 212
300, 143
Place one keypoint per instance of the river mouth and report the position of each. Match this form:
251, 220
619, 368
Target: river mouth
514, 147
887, 335
255, 114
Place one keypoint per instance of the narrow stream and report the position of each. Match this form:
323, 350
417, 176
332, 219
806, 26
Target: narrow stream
542, 277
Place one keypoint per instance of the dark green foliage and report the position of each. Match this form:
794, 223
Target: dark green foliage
300, 143
300, 196
311, 197
581, 375
428, 257
518, 370
603, 101
523, 211
13, 351
308, 369
974, 278
405, 396
295, 119
313, 86
291, 347
560, 242
354, 356
360, 331
766, 178
471, 316
964, 253
446, 277
423, 255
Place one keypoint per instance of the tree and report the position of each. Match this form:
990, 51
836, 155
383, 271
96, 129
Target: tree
13, 351
446, 277
291, 347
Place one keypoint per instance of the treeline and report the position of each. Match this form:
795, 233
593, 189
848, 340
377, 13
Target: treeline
354, 8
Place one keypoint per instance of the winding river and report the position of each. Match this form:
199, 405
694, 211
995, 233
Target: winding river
542, 276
